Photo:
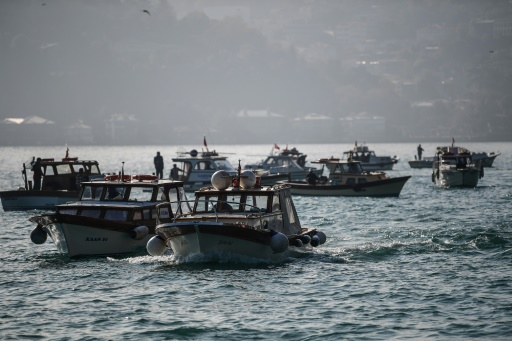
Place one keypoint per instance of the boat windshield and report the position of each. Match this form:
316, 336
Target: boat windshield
224, 165
227, 202
91, 193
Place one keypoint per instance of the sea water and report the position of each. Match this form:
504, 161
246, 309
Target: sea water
432, 264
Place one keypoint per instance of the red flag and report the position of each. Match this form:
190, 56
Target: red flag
204, 142
276, 146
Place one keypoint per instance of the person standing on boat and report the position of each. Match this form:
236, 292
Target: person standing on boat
159, 165
175, 175
311, 178
420, 151
38, 174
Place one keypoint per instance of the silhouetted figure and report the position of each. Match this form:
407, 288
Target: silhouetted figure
420, 151
175, 175
38, 174
159, 165
311, 178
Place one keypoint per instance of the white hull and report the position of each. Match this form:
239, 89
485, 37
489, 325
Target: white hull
79, 240
458, 178
198, 241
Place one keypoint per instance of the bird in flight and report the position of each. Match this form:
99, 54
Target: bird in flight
146, 11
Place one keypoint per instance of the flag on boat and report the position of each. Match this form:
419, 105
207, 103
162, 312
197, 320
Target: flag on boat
276, 146
204, 142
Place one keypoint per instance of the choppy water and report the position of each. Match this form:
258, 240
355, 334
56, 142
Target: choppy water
431, 264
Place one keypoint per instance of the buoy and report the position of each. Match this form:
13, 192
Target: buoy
38, 235
247, 179
297, 242
321, 237
315, 241
279, 242
156, 246
140, 232
306, 239
221, 180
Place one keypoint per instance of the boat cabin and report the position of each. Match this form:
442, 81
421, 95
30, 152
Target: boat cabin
127, 201
199, 167
61, 174
266, 208
351, 173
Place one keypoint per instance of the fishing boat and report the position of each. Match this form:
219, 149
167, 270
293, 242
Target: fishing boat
369, 160
58, 184
289, 162
487, 159
237, 216
196, 169
113, 216
347, 178
455, 167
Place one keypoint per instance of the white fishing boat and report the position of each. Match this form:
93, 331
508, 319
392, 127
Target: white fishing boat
237, 217
369, 160
196, 169
348, 179
290, 162
112, 217
487, 159
58, 184
455, 168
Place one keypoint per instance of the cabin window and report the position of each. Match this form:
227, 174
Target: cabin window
90, 213
361, 180
276, 205
224, 165
48, 171
116, 215
161, 194
64, 169
93, 169
146, 214
91, 193
140, 193
68, 211
256, 203
351, 181
203, 165
289, 210
184, 204
115, 193
137, 215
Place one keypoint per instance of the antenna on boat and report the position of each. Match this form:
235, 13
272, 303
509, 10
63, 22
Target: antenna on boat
122, 171
205, 144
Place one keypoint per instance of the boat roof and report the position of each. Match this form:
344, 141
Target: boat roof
194, 154
239, 190
74, 160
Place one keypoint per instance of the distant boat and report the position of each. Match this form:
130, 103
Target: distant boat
348, 179
369, 160
456, 168
487, 159
58, 184
289, 162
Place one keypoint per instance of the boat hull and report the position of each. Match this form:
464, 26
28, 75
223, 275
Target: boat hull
219, 238
76, 237
380, 188
458, 178
35, 200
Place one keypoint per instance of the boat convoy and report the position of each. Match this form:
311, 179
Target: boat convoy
245, 212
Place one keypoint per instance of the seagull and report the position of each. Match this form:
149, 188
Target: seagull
146, 11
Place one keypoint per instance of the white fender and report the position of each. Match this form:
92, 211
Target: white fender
156, 246
140, 232
279, 242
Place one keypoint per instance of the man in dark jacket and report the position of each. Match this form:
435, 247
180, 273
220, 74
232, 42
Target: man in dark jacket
159, 165
38, 174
